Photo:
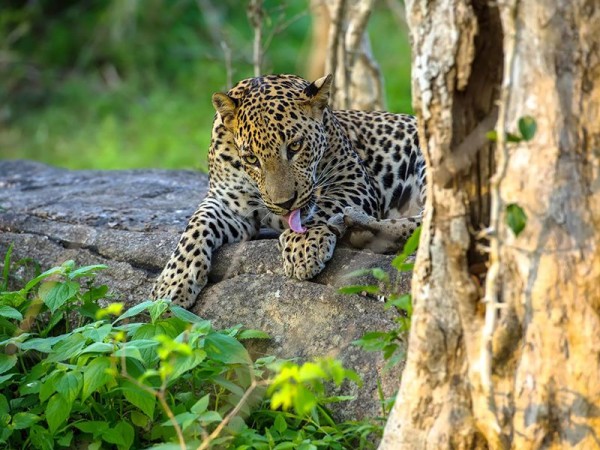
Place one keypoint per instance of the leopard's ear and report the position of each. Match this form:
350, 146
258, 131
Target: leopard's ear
226, 106
318, 95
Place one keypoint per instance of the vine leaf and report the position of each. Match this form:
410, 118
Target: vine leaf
516, 219
527, 127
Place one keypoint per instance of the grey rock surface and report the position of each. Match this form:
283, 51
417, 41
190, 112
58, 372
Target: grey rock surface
131, 220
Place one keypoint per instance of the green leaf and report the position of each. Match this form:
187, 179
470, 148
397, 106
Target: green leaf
337, 399
43, 345
394, 359
167, 447
527, 127
122, 435
22, 420
304, 401
412, 243
67, 348
373, 341
280, 424
310, 371
139, 420
185, 363
65, 441
184, 314
403, 302
225, 349
4, 406
35, 281
253, 334
285, 445
96, 333
147, 332
95, 376
86, 271
491, 136
201, 405
129, 351
235, 389
135, 310
48, 386
516, 219
139, 397
380, 274
358, 273
10, 312
514, 138
4, 378
7, 362
70, 385
209, 417
359, 289
55, 294
93, 427
57, 411
157, 309
389, 350
41, 438
98, 347
185, 419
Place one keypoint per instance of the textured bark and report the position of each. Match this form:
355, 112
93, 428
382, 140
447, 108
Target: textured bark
512, 361
358, 81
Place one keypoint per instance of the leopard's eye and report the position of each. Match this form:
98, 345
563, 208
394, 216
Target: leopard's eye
250, 159
295, 146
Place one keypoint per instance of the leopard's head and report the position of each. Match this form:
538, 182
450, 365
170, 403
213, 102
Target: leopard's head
277, 126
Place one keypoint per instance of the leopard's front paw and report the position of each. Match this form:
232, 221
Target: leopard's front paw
304, 255
181, 282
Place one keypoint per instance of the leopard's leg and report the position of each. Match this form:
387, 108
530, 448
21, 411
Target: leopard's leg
380, 235
211, 226
398, 228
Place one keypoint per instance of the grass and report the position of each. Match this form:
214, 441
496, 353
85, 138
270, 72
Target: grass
163, 120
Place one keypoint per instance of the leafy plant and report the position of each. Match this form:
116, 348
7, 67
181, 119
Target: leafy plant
516, 219
153, 375
527, 128
393, 342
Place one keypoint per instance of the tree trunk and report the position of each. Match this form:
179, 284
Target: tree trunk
358, 81
512, 360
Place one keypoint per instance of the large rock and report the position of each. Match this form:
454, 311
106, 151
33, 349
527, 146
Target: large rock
131, 221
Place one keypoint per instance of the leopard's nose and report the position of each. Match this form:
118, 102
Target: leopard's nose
288, 203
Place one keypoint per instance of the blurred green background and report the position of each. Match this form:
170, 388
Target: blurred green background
114, 84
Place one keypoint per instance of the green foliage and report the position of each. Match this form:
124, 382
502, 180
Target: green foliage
153, 375
516, 219
527, 128
119, 84
391, 343
301, 386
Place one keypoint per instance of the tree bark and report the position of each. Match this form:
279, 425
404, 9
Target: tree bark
358, 80
512, 360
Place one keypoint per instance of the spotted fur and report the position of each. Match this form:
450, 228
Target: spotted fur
277, 148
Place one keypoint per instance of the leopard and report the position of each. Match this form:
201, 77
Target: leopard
281, 158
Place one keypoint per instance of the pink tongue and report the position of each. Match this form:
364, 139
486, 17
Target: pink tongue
295, 221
